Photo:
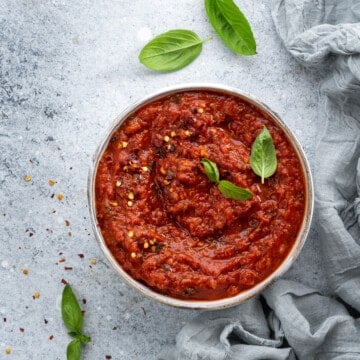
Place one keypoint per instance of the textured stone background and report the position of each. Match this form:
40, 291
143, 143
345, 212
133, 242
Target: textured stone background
67, 68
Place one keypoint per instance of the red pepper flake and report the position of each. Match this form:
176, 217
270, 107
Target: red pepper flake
62, 260
63, 281
68, 268
51, 337
108, 357
81, 256
21, 329
31, 233
67, 222
84, 301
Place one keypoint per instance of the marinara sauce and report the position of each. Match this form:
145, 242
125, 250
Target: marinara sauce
170, 227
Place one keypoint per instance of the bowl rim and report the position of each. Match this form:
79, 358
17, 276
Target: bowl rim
244, 295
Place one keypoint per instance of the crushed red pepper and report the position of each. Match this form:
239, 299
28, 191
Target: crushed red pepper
168, 226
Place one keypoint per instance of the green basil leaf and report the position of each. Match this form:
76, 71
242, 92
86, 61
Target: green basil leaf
73, 350
70, 310
171, 50
73, 334
231, 25
233, 191
84, 338
263, 159
211, 170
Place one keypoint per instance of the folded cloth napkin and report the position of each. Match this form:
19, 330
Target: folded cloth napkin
290, 320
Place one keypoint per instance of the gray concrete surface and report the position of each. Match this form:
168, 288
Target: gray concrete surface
67, 68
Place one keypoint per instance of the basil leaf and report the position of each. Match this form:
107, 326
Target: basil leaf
232, 191
231, 25
84, 338
73, 350
263, 159
211, 170
171, 50
73, 334
70, 310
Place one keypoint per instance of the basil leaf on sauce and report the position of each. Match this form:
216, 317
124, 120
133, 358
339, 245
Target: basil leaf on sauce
227, 188
70, 310
171, 50
73, 350
233, 191
231, 25
211, 170
263, 159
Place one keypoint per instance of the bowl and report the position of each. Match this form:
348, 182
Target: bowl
246, 294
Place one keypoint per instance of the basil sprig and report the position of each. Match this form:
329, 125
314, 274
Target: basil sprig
171, 50
231, 25
227, 188
263, 159
73, 320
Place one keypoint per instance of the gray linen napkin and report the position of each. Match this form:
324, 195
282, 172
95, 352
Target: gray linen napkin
292, 321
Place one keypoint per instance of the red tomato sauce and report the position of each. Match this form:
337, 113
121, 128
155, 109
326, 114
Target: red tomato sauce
163, 220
